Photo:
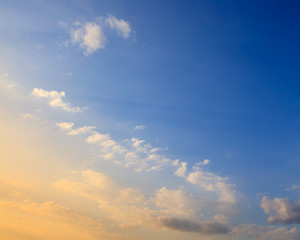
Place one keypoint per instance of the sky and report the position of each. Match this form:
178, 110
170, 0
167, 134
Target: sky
149, 120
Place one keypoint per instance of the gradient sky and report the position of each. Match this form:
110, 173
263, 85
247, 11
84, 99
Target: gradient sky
149, 120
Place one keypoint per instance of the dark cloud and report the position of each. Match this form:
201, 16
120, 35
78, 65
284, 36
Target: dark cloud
281, 210
185, 225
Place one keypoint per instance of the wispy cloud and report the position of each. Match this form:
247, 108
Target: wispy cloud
294, 187
55, 99
139, 127
122, 27
185, 225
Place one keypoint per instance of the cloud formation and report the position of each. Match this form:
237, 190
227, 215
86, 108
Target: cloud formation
122, 27
90, 36
281, 210
55, 99
213, 183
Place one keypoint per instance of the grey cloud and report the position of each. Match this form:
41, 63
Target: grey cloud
281, 210
185, 225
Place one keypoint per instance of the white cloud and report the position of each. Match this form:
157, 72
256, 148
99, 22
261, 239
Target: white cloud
139, 127
213, 183
56, 99
181, 170
281, 210
89, 37
97, 138
65, 125
82, 130
175, 203
122, 27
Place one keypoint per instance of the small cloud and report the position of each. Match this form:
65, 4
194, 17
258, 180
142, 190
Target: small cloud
139, 127
181, 171
122, 27
82, 130
293, 188
89, 37
206, 161
56, 99
65, 125
27, 116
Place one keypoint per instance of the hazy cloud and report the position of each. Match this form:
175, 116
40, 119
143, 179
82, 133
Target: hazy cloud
294, 187
260, 232
139, 127
122, 27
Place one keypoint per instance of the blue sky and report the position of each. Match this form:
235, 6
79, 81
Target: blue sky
198, 80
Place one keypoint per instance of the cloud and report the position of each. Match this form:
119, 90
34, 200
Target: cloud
293, 187
281, 210
181, 170
27, 116
260, 232
81, 130
121, 204
122, 27
184, 225
175, 203
56, 99
139, 127
65, 125
62, 24
89, 37
213, 183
